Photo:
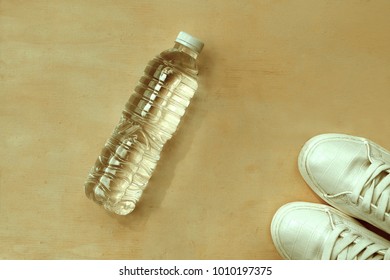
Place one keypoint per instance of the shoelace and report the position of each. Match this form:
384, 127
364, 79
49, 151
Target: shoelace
373, 188
344, 244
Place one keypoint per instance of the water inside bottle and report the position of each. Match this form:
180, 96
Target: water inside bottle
151, 116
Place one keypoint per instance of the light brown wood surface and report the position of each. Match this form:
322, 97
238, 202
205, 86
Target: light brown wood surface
272, 75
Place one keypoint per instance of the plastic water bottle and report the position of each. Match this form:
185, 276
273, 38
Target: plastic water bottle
151, 116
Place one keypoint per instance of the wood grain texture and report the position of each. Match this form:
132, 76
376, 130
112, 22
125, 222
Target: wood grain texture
272, 75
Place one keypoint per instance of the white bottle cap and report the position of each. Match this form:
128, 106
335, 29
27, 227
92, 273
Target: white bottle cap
187, 40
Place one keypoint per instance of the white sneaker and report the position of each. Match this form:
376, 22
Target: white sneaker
309, 231
351, 174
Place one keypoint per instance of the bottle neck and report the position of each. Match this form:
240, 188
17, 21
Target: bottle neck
186, 50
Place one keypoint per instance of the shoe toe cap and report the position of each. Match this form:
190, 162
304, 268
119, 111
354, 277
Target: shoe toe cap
299, 230
333, 163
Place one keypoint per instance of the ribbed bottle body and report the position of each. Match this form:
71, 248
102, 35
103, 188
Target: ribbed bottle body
150, 118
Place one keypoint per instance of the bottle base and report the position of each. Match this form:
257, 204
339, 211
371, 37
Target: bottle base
122, 208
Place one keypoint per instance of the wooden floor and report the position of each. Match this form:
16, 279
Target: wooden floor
272, 75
